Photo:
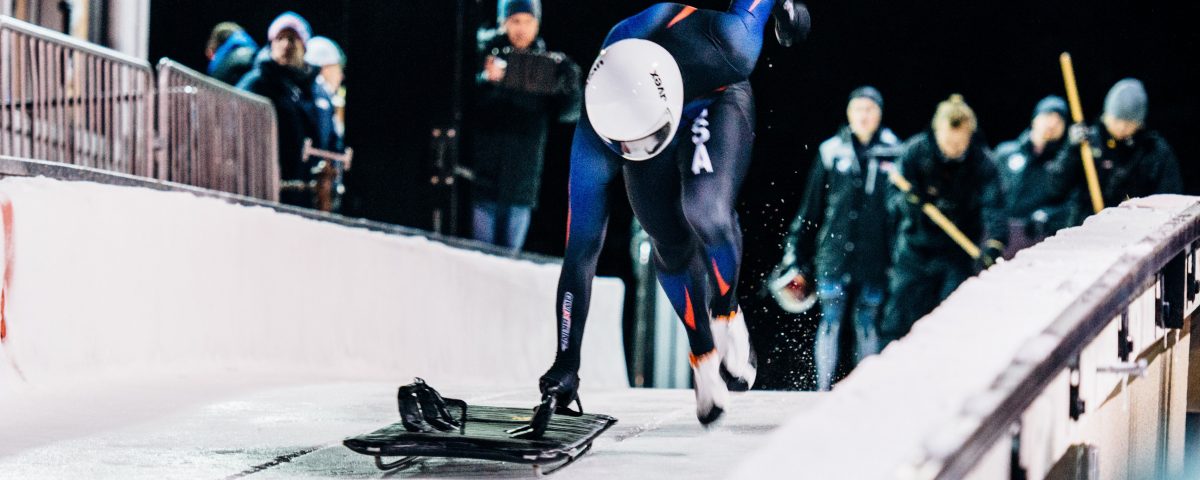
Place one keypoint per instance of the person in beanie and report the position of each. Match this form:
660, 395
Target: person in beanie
840, 236
1028, 173
230, 52
948, 168
327, 55
302, 107
512, 117
1131, 161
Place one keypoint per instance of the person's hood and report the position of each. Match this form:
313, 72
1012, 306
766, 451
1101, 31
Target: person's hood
237, 40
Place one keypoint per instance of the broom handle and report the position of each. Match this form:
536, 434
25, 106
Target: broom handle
1085, 150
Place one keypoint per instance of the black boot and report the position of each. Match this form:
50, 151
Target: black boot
791, 22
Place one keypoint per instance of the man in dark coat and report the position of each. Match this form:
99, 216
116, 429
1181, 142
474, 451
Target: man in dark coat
948, 168
302, 107
1131, 161
512, 118
1028, 173
840, 236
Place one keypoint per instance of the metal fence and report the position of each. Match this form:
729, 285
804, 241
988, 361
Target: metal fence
69, 101
65, 100
214, 136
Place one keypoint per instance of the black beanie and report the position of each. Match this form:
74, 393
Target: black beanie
869, 93
1052, 104
508, 8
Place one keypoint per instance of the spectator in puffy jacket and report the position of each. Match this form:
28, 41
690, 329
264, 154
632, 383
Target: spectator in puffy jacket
302, 107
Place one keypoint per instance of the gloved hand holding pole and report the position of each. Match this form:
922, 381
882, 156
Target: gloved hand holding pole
1085, 150
937, 216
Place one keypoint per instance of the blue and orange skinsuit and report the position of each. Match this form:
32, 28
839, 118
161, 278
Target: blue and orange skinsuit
683, 201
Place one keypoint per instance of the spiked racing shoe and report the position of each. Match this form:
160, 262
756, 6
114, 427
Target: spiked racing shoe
739, 367
792, 22
712, 396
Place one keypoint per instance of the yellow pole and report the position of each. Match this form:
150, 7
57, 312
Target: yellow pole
937, 216
1085, 150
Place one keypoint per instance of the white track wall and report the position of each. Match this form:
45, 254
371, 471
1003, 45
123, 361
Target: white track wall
122, 281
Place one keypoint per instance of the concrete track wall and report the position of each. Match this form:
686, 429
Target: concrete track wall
107, 280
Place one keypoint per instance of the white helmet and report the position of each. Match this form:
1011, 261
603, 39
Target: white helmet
634, 98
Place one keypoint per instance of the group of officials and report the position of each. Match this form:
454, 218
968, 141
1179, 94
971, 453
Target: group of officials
868, 253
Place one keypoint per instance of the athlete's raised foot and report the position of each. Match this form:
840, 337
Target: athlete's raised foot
739, 367
792, 22
712, 396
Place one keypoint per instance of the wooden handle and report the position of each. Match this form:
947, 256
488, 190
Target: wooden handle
1085, 150
937, 216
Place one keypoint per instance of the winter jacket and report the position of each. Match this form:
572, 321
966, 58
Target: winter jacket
233, 58
1029, 180
1137, 167
841, 231
511, 126
303, 110
968, 192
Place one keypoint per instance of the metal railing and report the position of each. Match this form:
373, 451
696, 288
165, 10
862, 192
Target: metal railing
69, 101
214, 136
1168, 266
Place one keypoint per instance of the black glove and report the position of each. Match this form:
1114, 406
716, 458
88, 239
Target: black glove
990, 252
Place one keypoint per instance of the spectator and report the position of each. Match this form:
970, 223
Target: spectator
302, 108
513, 113
948, 168
1028, 173
1130, 160
230, 52
327, 55
840, 237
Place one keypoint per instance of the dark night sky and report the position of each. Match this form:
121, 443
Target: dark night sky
1002, 56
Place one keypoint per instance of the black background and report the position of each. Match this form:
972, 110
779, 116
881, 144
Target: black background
1002, 56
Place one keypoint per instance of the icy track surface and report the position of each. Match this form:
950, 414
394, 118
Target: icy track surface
296, 432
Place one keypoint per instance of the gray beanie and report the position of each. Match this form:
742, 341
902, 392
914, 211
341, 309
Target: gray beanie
1127, 101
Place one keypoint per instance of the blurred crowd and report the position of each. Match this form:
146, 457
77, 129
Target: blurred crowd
302, 76
888, 229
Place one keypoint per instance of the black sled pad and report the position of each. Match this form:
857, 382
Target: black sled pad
487, 434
